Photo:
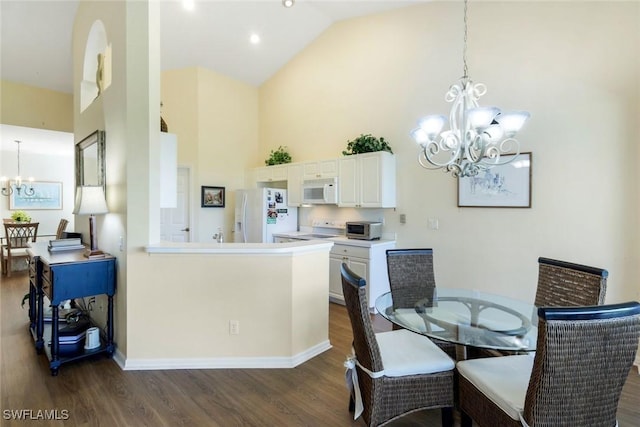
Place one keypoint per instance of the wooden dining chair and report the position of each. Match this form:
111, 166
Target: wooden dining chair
411, 281
583, 359
61, 227
17, 239
395, 372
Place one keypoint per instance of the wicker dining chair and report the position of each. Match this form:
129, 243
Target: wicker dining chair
562, 283
392, 373
412, 279
17, 239
575, 379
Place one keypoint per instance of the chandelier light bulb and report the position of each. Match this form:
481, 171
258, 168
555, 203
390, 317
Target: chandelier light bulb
512, 121
494, 133
432, 125
420, 136
480, 118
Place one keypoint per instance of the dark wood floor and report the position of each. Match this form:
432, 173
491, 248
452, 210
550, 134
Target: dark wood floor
97, 393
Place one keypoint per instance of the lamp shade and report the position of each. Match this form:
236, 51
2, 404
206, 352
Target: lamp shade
90, 200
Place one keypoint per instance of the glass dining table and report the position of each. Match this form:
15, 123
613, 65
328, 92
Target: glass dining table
468, 318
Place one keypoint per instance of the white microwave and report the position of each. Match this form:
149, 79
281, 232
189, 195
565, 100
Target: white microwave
320, 191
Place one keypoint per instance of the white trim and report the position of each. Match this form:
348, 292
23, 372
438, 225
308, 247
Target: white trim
226, 362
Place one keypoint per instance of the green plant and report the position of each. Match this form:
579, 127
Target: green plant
20, 216
366, 144
278, 157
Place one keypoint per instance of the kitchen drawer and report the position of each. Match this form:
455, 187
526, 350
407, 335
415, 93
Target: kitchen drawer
350, 251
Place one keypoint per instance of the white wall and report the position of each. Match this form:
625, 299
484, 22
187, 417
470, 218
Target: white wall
44, 163
573, 65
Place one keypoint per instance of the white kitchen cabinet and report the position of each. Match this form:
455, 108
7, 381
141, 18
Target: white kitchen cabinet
271, 173
369, 262
294, 184
367, 180
320, 169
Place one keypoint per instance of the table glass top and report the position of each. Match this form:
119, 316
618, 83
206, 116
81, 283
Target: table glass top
467, 317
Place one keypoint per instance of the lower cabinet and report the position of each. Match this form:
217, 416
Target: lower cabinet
369, 262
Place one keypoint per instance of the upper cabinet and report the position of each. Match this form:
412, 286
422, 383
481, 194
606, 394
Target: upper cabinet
271, 173
294, 184
364, 180
320, 169
367, 180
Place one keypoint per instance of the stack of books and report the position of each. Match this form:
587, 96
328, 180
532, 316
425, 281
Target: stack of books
60, 245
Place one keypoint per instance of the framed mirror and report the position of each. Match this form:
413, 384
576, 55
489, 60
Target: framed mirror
90, 163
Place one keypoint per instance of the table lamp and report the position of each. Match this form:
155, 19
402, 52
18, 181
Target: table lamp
90, 201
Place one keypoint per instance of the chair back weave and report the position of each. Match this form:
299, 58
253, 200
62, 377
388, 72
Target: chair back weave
563, 283
411, 276
583, 358
364, 340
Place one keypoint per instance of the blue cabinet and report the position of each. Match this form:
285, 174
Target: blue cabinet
62, 276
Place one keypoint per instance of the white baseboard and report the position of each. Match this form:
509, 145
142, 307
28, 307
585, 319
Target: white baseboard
222, 362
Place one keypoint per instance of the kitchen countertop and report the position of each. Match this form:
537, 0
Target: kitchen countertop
341, 240
285, 249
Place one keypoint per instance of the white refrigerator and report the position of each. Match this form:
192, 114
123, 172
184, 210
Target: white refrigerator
260, 212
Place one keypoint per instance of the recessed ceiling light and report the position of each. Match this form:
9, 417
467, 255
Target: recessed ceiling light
288, 3
189, 4
254, 38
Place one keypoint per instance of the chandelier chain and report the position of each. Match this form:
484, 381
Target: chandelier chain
19, 157
464, 46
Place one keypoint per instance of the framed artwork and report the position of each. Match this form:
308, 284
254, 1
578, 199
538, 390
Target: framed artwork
212, 197
47, 195
504, 186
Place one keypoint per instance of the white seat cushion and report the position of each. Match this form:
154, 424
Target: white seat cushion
504, 380
406, 353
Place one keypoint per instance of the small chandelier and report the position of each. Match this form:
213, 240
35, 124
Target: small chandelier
477, 136
18, 186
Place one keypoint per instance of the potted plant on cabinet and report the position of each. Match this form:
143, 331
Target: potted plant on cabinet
366, 144
278, 157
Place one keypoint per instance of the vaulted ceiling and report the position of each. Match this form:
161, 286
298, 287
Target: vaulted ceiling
35, 41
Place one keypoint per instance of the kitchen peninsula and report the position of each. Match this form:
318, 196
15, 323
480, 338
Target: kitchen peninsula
231, 305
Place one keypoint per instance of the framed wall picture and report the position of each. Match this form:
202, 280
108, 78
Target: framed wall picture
212, 197
504, 186
47, 195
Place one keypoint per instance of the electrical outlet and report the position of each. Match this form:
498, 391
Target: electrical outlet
234, 327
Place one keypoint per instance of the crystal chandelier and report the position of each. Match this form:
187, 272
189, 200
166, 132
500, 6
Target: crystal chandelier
477, 136
18, 186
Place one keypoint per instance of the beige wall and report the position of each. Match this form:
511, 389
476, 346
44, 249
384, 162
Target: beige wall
34, 107
216, 121
280, 302
129, 112
574, 66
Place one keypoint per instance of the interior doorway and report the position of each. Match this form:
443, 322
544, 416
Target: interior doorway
174, 222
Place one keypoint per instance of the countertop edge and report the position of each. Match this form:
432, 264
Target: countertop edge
283, 249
